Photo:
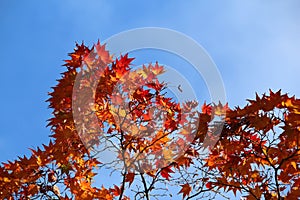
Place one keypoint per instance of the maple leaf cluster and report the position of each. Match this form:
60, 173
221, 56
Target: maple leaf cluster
258, 151
156, 141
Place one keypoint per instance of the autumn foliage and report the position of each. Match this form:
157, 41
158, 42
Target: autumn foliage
101, 103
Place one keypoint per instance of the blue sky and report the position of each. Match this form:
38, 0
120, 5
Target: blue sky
255, 44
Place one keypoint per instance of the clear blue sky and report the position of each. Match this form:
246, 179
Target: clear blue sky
255, 44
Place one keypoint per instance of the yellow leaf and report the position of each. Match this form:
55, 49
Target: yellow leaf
118, 111
264, 151
168, 155
287, 103
5, 179
134, 129
295, 188
274, 194
294, 164
39, 161
254, 175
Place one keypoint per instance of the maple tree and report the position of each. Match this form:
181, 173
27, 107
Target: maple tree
101, 104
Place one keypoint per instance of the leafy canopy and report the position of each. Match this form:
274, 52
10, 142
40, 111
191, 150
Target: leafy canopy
101, 103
